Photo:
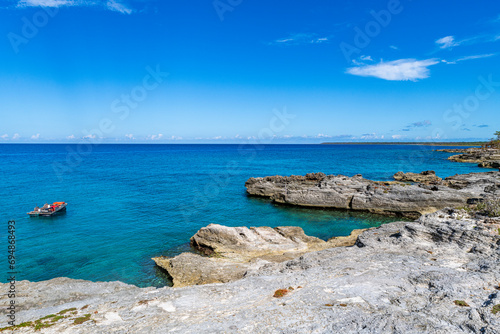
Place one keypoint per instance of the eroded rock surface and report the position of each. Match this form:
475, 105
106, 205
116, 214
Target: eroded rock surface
233, 252
487, 158
427, 177
402, 277
357, 193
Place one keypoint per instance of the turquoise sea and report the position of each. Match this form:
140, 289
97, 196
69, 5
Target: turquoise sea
129, 203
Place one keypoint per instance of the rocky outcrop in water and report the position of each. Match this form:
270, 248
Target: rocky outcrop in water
357, 193
427, 177
439, 274
484, 157
232, 252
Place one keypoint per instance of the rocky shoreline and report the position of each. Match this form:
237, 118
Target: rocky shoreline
483, 157
437, 274
231, 253
406, 199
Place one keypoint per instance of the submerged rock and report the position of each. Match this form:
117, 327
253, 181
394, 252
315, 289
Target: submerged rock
439, 274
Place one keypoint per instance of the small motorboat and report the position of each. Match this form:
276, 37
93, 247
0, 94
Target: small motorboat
49, 209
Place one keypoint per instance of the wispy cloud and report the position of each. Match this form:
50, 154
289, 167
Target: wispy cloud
470, 58
35, 137
371, 136
45, 3
298, 39
477, 57
5, 136
16, 136
118, 7
447, 42
397, 136
397, 70
155, 137
421, 124
112, 5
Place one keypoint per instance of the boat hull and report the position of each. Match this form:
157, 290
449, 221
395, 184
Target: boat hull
44, 213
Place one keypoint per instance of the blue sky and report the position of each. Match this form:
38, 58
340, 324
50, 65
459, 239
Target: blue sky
248, 71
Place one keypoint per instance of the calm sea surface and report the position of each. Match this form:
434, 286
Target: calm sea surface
129, 203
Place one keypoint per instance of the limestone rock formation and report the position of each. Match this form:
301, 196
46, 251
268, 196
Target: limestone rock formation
484, 157
235, 251
357, 193
439, 274
427, 177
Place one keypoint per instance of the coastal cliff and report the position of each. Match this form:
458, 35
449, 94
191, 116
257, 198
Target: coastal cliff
359, 194
483, 157
438, 274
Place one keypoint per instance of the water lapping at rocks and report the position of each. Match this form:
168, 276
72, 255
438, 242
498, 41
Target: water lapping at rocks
438, 274
360, 194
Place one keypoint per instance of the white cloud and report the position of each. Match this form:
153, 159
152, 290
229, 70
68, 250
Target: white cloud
297, 39
45, 3
16, 136
446, 42
5, 136
397, 70
450, 41
393, 47
70, 137
155, 137
35, 137
130, 136
476, 57
118, 7
369, 136
369, 58
112, 5
397, 136
469, 58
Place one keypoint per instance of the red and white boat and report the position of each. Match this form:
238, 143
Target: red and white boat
48, 209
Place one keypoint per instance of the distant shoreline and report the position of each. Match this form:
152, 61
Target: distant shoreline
411, 143
262, 144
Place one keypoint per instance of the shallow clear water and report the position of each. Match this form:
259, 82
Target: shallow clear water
129, 203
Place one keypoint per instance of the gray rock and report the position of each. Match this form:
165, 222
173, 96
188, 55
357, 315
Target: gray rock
402, 277
427, 177
357, 193
484, 157
236, 251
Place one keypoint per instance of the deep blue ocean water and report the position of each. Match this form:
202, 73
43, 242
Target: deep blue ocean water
129, 203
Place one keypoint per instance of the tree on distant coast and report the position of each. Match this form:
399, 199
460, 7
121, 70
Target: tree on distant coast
494, 142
